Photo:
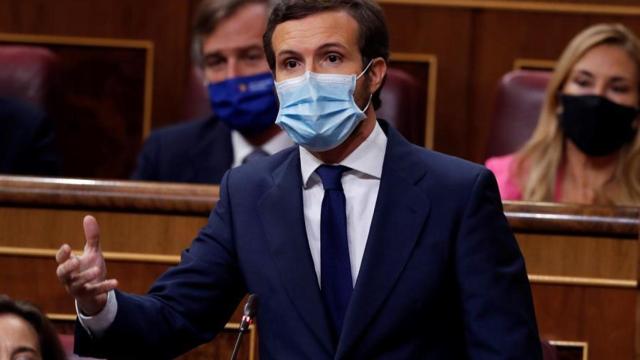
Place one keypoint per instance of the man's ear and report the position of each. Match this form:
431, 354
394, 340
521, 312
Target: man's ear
376, 73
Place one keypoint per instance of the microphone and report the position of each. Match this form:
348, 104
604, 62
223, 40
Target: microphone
249, 313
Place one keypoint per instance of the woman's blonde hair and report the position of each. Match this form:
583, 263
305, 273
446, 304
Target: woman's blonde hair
537, 163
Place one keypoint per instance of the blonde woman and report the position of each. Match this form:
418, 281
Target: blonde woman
586, 147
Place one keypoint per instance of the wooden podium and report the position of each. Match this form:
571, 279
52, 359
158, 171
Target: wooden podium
582, 261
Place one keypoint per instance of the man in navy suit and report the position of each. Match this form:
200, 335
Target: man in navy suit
358, 244
227, 45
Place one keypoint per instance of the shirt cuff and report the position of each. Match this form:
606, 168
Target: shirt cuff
97, 324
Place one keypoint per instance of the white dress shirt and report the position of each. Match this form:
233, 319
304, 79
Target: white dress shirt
361, 185
242, 148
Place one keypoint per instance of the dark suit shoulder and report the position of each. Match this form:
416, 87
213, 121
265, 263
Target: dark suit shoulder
449, 167
197, 151
186, 132
267, 168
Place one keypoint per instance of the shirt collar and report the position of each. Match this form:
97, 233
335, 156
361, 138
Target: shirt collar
367, 159
242, 148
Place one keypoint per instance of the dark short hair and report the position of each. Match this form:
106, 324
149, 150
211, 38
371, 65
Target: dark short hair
50, 347
373, 37
208, 16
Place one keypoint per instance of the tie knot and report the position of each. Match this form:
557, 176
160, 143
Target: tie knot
331, 176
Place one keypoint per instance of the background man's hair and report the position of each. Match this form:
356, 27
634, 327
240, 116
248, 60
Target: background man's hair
208, 16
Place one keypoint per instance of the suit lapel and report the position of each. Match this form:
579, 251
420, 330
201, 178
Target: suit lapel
281, 212
400, 213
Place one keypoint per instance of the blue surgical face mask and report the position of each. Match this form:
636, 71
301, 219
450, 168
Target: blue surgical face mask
318, 111
247, 104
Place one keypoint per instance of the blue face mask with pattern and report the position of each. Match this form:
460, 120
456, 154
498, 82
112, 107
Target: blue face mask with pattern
318, 111
247, 104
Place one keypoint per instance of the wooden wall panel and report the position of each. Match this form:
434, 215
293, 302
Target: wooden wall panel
419, 29
501, 37
165, 23
474, 41
602, 317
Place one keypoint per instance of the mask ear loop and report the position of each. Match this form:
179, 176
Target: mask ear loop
365, 69
368, 103
359, 76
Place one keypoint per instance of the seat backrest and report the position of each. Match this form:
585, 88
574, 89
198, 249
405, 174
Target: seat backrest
25, 72
401, 103
518, 104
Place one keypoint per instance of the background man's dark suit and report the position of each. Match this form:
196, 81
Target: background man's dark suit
442, 276
26, 140
197, 151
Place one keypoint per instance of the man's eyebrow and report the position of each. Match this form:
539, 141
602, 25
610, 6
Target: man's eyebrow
24, 349
250, 48
331, 46
287, 52
219, 52
323, 47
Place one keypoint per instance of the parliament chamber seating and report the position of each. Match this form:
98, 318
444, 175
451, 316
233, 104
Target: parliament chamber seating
25, 72
519, 99
401, 102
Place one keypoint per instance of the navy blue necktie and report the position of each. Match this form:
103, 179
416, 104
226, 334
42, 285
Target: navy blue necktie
335, 267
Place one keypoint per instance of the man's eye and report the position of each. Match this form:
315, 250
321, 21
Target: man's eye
290, 64
213, 62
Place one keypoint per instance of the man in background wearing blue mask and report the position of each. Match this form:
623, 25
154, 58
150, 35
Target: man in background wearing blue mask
227, 44
358, 244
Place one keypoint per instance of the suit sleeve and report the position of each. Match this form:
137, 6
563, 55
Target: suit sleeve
498, 311
185, 307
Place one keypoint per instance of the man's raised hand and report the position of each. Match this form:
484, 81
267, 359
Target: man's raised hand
85, 276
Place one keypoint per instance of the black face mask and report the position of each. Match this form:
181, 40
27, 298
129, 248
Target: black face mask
597, 125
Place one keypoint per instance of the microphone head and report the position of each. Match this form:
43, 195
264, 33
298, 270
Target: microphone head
251, 307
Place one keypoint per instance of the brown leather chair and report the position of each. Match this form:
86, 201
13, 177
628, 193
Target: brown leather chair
25, 72
518, 104
401, 102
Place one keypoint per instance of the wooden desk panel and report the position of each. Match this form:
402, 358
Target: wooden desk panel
582, 261
602, 317
121, 231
